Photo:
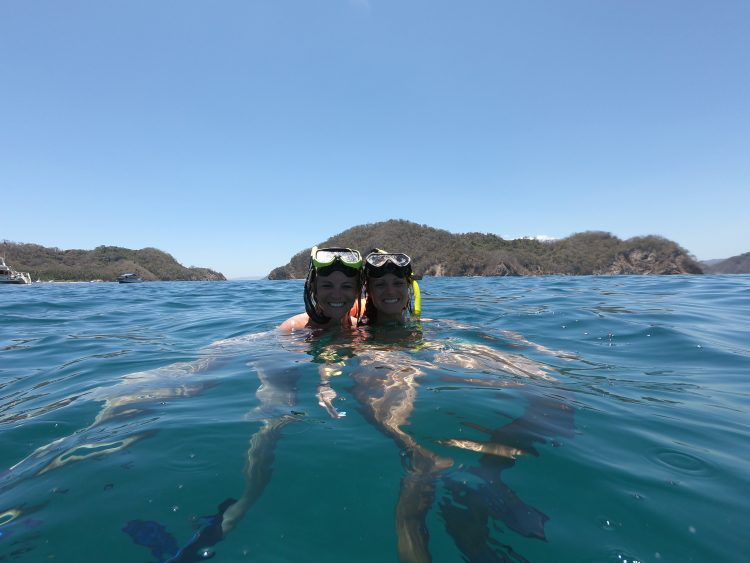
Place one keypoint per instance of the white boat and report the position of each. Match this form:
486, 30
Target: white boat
129, 278
9, 275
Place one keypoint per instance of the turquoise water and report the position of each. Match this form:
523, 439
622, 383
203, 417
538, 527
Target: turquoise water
612, 415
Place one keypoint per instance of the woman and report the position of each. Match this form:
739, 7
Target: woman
333, 283
386, 386
390, 285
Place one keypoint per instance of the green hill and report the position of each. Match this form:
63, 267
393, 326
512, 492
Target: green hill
102, 263
436, 252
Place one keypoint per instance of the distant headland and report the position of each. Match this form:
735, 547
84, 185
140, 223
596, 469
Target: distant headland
103, 263
436, 252
734, 265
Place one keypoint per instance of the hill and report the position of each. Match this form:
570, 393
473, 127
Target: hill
436, 252
102, 263
734, 265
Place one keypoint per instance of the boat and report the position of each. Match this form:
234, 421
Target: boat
129, 278
9, 275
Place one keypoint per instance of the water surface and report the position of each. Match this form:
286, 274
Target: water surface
538, 419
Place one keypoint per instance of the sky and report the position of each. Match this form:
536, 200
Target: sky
233, 134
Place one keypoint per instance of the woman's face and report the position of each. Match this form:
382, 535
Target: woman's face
335, 294
390, 295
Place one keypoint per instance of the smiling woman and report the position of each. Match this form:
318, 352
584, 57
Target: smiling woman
391, 288
333, 283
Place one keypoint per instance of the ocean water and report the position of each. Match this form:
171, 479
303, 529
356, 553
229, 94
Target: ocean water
525, 419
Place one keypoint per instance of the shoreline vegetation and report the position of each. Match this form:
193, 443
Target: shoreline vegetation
104, 263
436, 252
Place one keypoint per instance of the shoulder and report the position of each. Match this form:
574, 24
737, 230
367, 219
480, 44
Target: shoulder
295, 322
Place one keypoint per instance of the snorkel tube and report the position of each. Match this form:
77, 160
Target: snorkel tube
310, 309
417, 298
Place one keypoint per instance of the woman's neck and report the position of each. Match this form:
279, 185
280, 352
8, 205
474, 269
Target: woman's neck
343, 323
391, 319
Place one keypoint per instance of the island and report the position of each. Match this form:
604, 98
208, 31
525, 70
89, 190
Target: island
436, 252
104, 263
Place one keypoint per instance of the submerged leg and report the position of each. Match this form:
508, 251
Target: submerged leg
258, 468
387, 401
277, 393
415, 499
482, 497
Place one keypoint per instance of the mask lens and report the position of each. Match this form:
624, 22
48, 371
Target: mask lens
325, 257
400, 259
377, 260
349, 257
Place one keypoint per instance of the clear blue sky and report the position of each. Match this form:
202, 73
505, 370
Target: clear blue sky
233, 134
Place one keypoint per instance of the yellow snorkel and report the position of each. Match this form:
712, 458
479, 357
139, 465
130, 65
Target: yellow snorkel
417, 298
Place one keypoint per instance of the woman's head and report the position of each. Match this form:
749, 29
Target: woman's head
334, 282
388, 278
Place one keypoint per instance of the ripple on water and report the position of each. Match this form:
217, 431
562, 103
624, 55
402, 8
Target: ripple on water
190, 462
680, 462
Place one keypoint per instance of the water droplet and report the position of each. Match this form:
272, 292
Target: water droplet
206, 553
607, 524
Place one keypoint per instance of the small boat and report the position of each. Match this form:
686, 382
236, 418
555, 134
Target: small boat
129, 278
9, 275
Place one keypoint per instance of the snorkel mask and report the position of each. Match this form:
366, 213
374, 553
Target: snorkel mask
378, 263
324, 261
322, 258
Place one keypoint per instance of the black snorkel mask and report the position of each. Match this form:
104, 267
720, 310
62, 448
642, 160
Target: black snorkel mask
378, 263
